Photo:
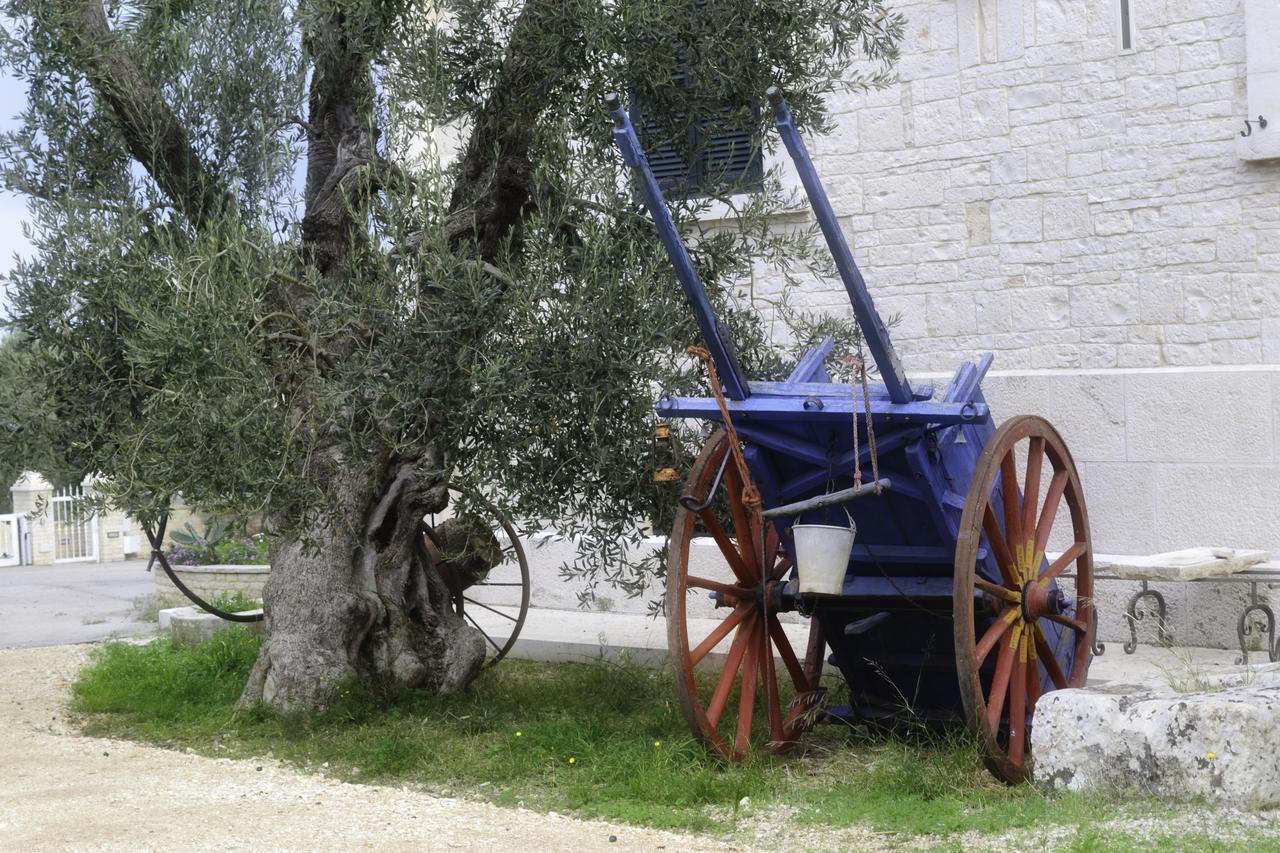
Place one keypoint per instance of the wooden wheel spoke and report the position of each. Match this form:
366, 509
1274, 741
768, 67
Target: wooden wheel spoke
787, 654
741, 568
1000, 681
1000, 592
783, 566
1031, 484
1052, 497
1068, 557
813, 655
1009, 495
1050, 661
998, 629
1004, 559
744, 527
1062, 619
771, 543
1033, 677
715, 586
736, 651
772, 704
1018, 705
719, 633
747, 695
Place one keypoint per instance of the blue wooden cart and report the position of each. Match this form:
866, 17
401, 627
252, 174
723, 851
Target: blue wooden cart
950, 610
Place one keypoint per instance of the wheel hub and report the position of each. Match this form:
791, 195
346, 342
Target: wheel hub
1038, 601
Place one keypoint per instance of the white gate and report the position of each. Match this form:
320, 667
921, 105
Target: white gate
75, 526
10, 540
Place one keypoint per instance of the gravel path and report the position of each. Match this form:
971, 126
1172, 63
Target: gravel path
63, 791
60, 791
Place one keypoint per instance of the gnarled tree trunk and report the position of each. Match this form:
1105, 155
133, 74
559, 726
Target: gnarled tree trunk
360, 602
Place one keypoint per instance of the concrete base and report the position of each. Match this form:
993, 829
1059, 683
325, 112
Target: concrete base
1219, 742
189, 626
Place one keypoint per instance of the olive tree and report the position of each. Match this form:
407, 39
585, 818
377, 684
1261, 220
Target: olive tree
316, 260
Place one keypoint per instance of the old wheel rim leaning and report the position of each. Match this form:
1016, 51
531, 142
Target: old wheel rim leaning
1026, 625
726, 724
511, 574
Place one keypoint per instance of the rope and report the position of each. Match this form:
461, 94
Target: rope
858, 367
750, 495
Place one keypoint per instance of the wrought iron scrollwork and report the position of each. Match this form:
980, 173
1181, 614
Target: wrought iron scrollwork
1136, 615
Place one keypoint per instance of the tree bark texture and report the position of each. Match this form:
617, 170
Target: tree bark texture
363, 604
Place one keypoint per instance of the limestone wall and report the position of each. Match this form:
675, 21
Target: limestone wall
1083, 211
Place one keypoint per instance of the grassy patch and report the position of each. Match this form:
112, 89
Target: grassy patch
600, 740
234, 602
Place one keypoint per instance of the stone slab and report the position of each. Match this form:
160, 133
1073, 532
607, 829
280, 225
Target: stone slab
1218, 742
1188, 564
189, 626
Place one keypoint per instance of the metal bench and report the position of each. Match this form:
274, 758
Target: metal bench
1195, 565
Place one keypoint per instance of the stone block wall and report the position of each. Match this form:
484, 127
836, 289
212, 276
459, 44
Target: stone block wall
210, 581
118, 536
1031, 188
1057, 199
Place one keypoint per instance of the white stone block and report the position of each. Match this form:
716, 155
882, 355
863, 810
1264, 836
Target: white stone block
937, 122
1066, 218
1016, 220
1010, 168
1190, 417
1105, 305
951, 314
1121, 498
881, 129
984, 113
916, 189
1237, 505
1218, 745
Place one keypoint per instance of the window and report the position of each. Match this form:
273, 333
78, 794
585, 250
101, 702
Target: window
726, 157
1126, 25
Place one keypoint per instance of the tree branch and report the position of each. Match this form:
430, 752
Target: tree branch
495, 181
155, 137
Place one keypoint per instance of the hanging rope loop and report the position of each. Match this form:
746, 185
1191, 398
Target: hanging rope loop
858, 370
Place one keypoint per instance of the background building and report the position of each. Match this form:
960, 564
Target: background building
1065, 184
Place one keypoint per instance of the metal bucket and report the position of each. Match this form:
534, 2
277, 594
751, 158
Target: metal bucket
822, 556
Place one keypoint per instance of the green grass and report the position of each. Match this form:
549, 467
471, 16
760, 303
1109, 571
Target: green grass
601, 740
234, 602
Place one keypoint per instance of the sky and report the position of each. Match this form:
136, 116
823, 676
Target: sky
13, 208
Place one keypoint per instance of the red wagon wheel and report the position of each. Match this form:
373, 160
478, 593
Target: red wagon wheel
1025, 611
715, 717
